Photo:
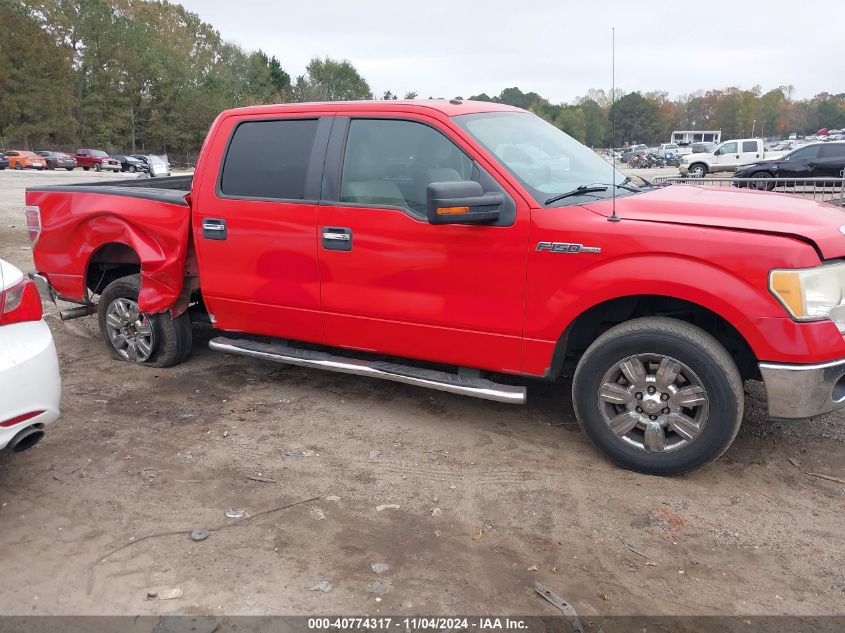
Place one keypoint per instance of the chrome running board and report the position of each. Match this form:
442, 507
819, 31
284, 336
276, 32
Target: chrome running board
440, 380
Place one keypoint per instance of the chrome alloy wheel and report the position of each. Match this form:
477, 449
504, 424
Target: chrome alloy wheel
130, 331
653, 402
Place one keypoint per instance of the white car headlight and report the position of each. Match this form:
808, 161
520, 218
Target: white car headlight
811, 294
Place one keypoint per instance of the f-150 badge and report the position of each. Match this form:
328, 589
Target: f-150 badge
566, 247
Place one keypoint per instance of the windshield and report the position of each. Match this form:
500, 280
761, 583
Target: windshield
545, 160
98, 153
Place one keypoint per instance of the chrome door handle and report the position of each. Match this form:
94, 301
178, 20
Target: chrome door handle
214, 229
336, 238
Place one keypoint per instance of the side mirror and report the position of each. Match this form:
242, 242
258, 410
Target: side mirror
462, 202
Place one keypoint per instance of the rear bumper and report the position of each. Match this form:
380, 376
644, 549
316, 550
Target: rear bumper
798, 392
29, 377
43, 286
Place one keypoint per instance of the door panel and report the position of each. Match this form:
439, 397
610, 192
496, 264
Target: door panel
405, 287
255, 228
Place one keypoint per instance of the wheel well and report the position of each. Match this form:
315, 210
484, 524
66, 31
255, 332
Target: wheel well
588, 326
110, 261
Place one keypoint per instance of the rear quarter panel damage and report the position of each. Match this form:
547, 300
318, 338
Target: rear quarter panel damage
75, 226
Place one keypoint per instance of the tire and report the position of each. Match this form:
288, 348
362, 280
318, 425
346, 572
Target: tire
18, 166
707, 380
168, 342
698, 170
762, 185
132, 169
97, 167
69, 168
86, 168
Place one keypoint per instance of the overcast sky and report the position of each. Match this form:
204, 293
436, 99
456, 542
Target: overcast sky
557, 48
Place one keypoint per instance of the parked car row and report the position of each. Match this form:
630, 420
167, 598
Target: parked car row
20, 159
814, 160
88, 159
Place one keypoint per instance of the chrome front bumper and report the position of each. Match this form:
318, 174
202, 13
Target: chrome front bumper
798, 392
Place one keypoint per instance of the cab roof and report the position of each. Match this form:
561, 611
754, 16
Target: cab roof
445, 107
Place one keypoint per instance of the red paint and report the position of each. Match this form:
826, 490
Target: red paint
74, 226
478, 296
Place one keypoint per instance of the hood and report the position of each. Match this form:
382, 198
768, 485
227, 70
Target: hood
731, 208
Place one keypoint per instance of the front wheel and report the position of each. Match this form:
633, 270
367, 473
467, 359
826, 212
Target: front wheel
86, 168
156, 340
698, 170
132, 169
765, 183
658, 396
97, 167
18, 166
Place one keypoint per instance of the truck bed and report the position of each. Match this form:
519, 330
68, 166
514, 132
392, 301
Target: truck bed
171, 189
138, 221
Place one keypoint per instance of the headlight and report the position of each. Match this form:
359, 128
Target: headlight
811, 294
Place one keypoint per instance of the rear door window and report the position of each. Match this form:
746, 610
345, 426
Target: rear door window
749, 147
833, 151
269, 159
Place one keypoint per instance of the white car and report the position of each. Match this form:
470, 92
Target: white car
30, 386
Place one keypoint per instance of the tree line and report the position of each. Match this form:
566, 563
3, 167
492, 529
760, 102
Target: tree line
135, 75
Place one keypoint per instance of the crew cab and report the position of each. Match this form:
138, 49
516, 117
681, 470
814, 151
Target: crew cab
420, 242
96, 158
726, 157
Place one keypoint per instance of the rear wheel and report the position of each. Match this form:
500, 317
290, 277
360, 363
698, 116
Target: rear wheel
69, 168
138, 337
86, 168
658, 396
132, 169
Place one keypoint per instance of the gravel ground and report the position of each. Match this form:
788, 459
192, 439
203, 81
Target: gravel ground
467, 502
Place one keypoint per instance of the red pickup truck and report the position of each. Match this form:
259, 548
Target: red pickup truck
457, 245
96, 158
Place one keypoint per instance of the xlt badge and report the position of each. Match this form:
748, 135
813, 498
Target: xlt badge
566, 247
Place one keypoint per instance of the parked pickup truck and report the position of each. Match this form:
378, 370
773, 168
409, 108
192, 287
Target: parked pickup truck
726, 157
431, 243
96, 158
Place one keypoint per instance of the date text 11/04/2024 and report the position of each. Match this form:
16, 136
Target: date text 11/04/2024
418, 623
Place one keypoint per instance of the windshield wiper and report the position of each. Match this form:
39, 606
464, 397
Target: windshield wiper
594, 188
577, 192
629, 187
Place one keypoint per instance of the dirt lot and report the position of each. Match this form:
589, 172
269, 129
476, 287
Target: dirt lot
491, 497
